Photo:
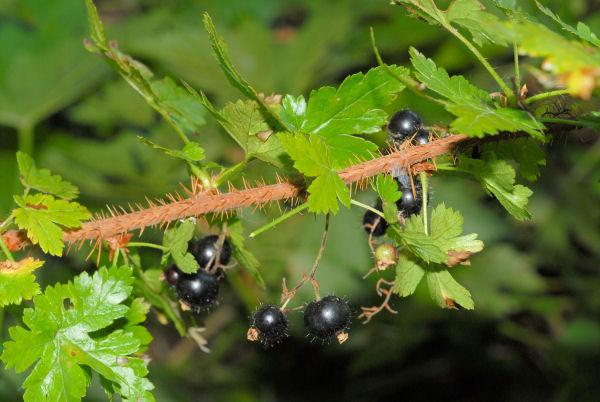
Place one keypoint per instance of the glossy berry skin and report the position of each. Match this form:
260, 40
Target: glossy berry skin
327, 317
172, 275
369, 220
206, 248
198, 290
409, 204
271, 324
421, 138
403, 125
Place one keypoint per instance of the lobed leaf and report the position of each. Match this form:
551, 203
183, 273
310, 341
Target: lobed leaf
17, 281
64, 338
312, 158
477, 114
498, 178
41, 215
582, 32
446, 292
408, 276
42, 180
176, 241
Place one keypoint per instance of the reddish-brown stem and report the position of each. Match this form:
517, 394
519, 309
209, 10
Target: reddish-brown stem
206, 202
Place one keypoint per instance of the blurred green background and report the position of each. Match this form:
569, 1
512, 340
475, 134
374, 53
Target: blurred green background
535, 333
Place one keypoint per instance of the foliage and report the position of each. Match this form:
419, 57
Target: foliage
93, 323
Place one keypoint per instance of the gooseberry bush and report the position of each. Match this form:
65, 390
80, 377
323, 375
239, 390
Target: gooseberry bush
321, 147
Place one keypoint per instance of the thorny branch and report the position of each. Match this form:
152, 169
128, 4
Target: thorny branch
163, 212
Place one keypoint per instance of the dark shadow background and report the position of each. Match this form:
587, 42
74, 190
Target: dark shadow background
535, 333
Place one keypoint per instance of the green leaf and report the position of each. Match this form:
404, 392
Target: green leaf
178, 104
355, 107
246, 124
191, 152
498, 178
176, 240
64, 336
446, 228
17, 281
446, 292
477, 114
582, 32
408, 276
95, 23
388, 191
312, 158
468, 14
42, 180
524, 151
241, 254
293, 111
41, 215
222, 55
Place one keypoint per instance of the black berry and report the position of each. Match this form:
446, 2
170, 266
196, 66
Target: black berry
421, 138
270, 323
198, 290
410, 203
403, 125
172, 275
327, 317
205, 251
374, 223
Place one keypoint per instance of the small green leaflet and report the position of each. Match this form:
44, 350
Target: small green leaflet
446, 292
444, 236
176, 240
65, 339
191, 152
582, 32
241, 254
477, 115
497, 177
178, 104
312, 158
17, 281
388, 191
41, 215
356, 107
42, 180
468, 14
408, 276
222, 55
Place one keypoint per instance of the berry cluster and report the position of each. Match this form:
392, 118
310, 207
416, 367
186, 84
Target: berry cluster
324, 318
407, 125
200, 290
404, 125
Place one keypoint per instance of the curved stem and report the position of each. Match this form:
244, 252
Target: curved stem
282, 218
26, 138
546, 95
5, 250
505, 88
517, 70
368, 208
149, 245
423, 176
230, 172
